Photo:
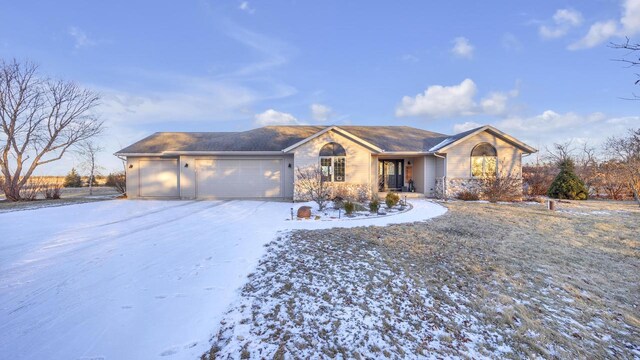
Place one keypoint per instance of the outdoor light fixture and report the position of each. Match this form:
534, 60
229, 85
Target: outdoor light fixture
186, 165
289, 165
131, 166
409, 162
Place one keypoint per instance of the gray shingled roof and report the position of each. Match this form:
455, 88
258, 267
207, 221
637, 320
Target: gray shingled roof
277, 138
453, 138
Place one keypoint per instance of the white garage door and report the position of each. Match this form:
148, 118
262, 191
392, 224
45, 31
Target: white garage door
159, 178
239, 178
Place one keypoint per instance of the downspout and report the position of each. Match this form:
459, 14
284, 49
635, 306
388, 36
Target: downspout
444, 175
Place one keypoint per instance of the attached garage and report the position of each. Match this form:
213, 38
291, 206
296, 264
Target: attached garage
239, 178
158, 178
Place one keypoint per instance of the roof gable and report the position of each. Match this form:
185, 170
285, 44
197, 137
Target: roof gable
447, 143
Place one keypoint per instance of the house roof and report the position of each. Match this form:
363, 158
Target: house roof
450, 141
279, 138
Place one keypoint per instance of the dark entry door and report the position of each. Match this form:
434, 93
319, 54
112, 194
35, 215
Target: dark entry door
391, 175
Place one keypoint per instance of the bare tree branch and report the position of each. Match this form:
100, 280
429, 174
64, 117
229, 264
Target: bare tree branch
40, 119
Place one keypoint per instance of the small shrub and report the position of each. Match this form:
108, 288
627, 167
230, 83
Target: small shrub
118, 181
30, 191
468, 195
391, 199
73, 179
567, 185
52, 191
374, 205
349, 207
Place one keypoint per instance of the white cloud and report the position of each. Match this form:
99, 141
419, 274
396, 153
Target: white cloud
563, 21
598, 33
458, 128
495, 103
441, 101
601, 31
273, 117
244, 6
631, 18
457, 100
321, 112
272, 52
80, 37
462, 48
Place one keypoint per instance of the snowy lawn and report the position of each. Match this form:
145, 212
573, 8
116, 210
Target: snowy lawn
127, 279
482, 281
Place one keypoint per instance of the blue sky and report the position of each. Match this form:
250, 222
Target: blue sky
539, 70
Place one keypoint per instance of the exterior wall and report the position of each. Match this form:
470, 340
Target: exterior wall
457, 165
439, 165
418, 173
133, 174
429, 175
373, 174
358, 160
459, 156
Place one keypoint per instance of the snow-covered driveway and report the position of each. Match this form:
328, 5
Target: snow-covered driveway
134, 279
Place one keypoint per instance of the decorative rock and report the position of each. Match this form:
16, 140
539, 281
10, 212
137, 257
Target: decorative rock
304, 212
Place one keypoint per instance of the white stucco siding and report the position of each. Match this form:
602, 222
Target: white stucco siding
459, 156
418, 172
429, 175
358, 157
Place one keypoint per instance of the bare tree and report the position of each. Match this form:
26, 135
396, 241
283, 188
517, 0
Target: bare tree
88, 151
560, 152
311, 186
631, 58
626, 150
587, 168
612, 180
40, 120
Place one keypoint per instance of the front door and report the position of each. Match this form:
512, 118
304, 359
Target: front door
390, 175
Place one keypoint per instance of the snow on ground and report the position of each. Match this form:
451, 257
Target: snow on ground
136, 279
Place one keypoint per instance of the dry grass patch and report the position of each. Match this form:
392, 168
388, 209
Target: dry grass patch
484, 280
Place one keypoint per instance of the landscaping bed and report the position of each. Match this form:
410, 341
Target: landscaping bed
483, 280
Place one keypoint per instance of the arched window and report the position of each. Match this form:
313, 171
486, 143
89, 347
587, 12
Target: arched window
484, 160
333, 162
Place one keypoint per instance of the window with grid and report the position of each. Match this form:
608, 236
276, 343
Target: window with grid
333, 163
484, 160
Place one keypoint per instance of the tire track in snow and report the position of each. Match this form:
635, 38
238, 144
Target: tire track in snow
89, 242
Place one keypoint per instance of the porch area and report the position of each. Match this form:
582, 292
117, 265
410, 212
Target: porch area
412, 175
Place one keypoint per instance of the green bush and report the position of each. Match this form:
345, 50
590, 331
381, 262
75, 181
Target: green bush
72, 179
374, 205
349, 207
567, 185
392, 199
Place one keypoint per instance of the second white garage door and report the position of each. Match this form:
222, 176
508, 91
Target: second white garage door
239, 178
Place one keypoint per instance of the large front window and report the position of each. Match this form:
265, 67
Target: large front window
484, 160
333, 162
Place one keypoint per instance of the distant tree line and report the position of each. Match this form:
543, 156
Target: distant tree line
611, 171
